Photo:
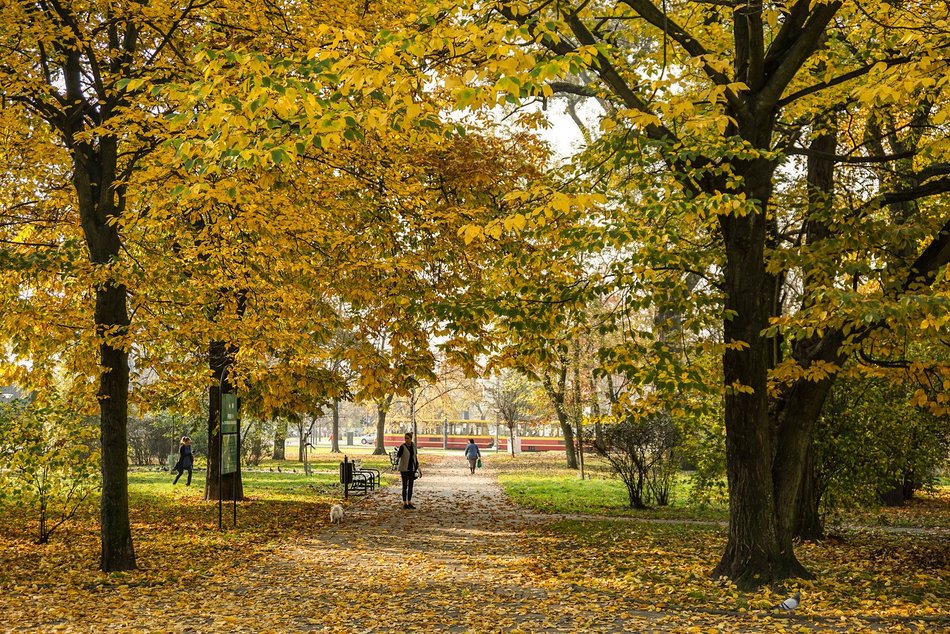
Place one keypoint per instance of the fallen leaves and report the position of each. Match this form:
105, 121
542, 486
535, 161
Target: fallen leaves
467, 560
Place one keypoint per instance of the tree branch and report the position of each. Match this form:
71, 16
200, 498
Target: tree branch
801, 47
840, 79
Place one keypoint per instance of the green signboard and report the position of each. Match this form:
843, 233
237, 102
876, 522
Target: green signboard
229, 414
229, 453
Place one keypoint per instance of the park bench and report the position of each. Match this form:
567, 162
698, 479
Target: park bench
356, 478
394, 460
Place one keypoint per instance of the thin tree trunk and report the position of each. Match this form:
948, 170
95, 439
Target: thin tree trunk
809, 525
335, 427
382, 408
280, 439
556, 394
595, 411
578, 405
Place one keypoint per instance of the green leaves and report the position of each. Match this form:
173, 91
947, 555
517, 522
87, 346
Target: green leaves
49, 463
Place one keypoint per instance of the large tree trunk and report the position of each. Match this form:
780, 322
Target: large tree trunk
809, 525
232, 487
753, 554
117, 550
101, 201
335, 427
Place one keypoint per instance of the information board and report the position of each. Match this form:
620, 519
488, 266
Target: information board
229, 453
229, 414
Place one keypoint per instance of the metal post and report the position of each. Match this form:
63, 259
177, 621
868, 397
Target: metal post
412, 416
220, 458
233, 492
220, 441
343, 476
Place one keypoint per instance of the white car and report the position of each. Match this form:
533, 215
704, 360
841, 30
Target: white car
367, 440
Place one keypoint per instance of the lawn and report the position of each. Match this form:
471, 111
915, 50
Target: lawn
540, 481
175, 531
585, 564
901, 575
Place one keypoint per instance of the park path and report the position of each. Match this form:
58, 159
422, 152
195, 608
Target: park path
466, 560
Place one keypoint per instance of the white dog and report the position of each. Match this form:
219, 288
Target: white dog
336, 514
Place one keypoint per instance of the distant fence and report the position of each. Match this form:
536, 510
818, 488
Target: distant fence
437, 441
453, 441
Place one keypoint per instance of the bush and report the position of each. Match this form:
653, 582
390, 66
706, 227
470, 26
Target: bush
49, 460
642, 453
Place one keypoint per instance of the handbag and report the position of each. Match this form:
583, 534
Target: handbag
478, 463
417, 474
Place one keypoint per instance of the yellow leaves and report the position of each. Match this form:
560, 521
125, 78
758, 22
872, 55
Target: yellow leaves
737, 387
935, 322
470, 232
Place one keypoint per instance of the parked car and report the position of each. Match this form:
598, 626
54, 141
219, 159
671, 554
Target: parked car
367, 440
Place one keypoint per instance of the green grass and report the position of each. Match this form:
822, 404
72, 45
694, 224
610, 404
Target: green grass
542, 482
261, 482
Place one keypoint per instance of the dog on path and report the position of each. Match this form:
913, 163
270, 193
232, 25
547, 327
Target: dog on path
336, 514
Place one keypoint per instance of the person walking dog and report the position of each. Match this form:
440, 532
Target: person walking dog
408, 465
186, 460
472, 454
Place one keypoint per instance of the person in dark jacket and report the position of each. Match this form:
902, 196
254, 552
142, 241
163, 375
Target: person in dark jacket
408, 465
186, 460
472, 454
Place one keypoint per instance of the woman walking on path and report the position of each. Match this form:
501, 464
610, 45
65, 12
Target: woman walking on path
473, 454
186, 460
408, 464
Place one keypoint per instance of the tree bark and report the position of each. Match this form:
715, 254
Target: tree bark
101, 201
232, 487
556, 394
117, 550
335, 427
797, 408
809, 525
754, 554
595, 411
382, 408
280, 440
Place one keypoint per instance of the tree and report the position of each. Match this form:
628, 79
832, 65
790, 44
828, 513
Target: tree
692, 158
511, 396
871, 444
65, 69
